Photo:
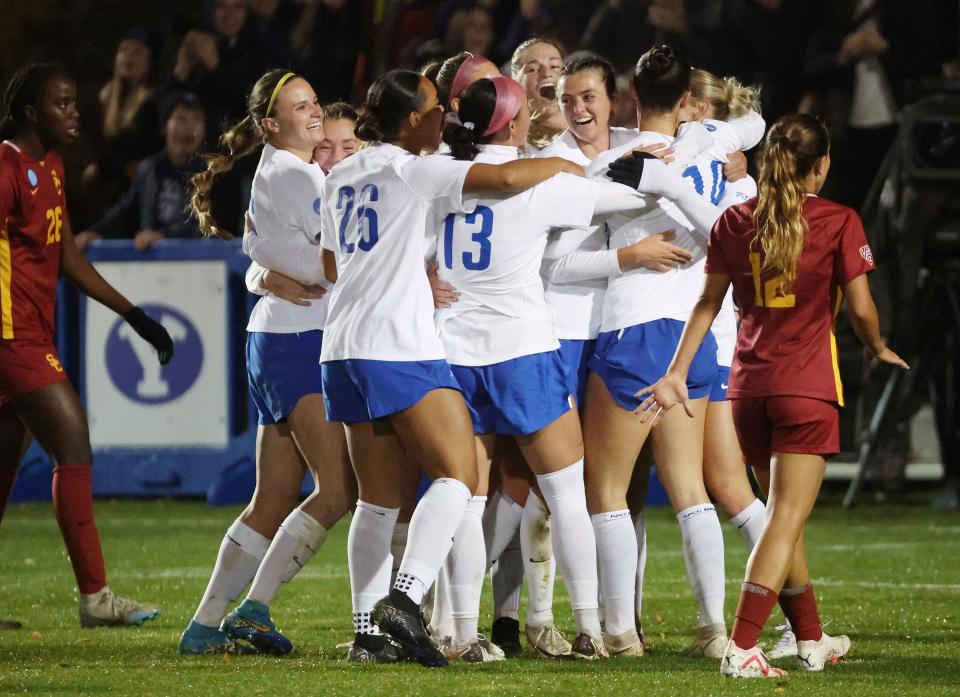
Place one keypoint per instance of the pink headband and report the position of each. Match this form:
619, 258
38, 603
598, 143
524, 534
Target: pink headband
510, 97
462, 78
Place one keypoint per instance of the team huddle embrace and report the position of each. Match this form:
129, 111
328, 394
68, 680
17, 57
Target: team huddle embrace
480, 304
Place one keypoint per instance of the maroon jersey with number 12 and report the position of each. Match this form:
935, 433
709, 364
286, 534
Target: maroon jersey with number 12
786, 344
32, 212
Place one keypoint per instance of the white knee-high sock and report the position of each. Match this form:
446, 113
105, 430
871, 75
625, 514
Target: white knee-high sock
466, 567
574, 545
703, 555
506, 580
539, 564
750, 522
368, 559
432, 527
501, 519
398, 543
617, 560
241, 552
441, 616
297, 540
640, 528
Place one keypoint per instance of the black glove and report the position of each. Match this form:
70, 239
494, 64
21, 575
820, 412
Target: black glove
629, 169
153, 332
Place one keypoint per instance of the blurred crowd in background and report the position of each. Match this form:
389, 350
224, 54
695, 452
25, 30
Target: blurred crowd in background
159, 81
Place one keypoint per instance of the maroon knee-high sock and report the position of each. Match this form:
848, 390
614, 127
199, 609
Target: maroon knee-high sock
753, 610
73, 505
799, 605
8, 477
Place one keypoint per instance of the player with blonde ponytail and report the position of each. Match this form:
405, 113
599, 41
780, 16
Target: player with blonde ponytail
791, 257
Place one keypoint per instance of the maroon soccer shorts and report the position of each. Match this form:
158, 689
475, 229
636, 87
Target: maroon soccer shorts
26, 366
786, 424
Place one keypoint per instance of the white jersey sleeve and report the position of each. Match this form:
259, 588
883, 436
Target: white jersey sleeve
286, 240
565, 201
438, 180
739, 134
253, 277
582, 266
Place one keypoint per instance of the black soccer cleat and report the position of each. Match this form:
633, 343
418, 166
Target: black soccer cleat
505, 633
399, 617
373, 648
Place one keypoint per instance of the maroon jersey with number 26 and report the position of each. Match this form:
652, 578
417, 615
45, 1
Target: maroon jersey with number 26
32, 212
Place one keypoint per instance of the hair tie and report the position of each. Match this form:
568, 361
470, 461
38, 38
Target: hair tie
510, 97
461, 79
276, 91
469, 125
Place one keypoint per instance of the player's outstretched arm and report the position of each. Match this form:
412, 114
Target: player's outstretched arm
74, 265
863, 317
516, 176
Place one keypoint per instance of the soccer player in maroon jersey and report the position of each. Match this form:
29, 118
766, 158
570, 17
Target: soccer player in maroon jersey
792, 257
36, 399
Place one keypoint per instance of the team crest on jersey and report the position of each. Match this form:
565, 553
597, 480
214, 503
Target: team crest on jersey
56, 181
32, 177
316, 206
866, 253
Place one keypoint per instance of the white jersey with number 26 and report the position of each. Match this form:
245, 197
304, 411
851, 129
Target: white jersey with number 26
376, 207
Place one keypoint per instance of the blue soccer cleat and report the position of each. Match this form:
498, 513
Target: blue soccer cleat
200, 640
250, 621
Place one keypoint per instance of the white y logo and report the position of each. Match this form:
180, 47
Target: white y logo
152, 384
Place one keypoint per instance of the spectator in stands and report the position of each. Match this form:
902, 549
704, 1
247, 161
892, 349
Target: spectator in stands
620, 32
773, 36
326, 43
471, 29
128, 131
269, 24
219, 64
153, 208
861, 58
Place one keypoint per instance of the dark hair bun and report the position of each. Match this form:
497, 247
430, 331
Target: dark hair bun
660, 59
462, 140
368, 126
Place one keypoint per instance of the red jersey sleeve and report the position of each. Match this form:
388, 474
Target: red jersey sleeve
854, 257
8, 191
716, 262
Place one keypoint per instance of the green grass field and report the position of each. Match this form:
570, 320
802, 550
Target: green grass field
888, 576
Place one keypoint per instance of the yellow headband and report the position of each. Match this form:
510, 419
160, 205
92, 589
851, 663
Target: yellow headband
276, 90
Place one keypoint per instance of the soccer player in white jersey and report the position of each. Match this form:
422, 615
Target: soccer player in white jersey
576, 268
384, 371
501, 340
729, 113
536, 64
636, 340
283, 351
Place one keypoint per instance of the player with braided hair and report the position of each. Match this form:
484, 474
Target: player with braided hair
36, 398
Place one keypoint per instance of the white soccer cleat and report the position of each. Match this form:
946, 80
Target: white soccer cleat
547, 641
747, 663
105, 609
786, 645
813, 655
709, 642
626, 644
480, 650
